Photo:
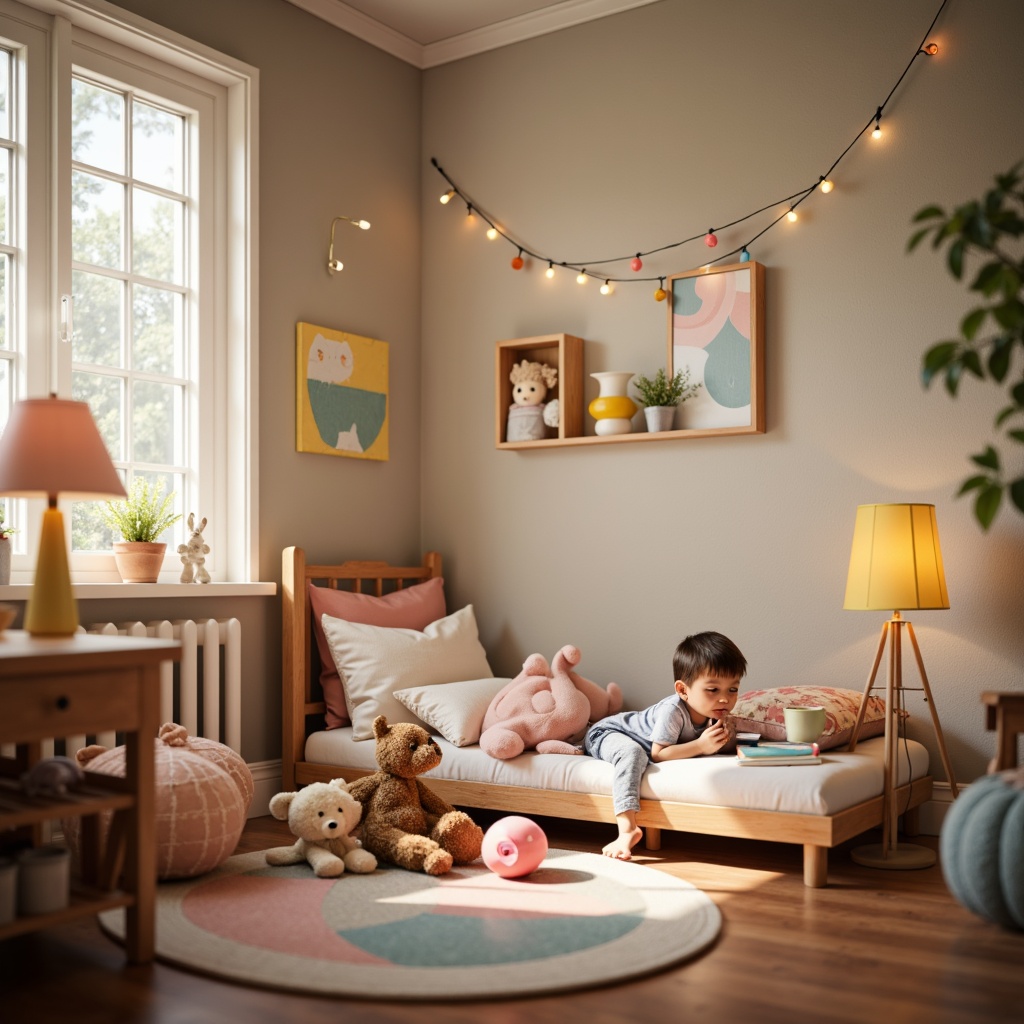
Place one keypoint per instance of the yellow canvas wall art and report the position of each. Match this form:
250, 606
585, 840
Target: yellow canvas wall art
341, 400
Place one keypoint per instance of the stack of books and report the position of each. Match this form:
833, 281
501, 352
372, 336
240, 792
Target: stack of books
778, 754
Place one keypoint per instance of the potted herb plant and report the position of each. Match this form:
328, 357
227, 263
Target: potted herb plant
659, 396
140, 518
5, 549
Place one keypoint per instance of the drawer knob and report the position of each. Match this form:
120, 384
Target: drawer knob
63, 703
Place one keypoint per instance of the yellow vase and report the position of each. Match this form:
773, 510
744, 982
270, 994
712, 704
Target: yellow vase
613, 409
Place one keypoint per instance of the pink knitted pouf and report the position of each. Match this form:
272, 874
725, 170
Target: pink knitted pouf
200, 804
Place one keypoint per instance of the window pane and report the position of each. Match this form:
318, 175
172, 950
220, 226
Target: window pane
173, 484
6, 395
98, 319
156, 422
158, 154
96, 212
5, 195
4, 275
97, 126
157, 342
105, 397
5, 94
157, 236
89, 531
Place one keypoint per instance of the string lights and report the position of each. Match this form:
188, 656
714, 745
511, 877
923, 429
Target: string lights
824, 184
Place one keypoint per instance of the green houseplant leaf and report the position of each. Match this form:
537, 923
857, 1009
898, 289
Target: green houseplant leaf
660, 391
144, 514
989, 228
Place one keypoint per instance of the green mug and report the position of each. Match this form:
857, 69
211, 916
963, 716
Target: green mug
804, 724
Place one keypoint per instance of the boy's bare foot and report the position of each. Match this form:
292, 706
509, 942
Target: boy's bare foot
621, 848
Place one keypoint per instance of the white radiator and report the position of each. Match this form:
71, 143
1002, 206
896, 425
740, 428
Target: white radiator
205, 686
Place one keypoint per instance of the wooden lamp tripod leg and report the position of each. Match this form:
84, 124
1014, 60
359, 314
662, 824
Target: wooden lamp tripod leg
868, 687
943, 753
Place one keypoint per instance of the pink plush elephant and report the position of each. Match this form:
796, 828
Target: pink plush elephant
543, 708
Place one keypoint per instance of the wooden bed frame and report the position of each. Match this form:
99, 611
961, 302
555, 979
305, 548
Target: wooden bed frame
303, 710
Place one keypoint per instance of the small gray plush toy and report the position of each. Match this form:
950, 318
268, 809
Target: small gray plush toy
53, 776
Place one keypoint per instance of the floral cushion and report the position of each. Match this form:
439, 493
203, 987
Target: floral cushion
761, 711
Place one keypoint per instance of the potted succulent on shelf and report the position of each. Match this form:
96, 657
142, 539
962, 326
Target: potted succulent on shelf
659, 396
140, 518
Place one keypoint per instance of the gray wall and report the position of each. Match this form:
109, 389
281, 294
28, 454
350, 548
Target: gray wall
638, 130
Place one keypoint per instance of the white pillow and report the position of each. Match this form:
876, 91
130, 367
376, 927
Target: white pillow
455, 710
374, 661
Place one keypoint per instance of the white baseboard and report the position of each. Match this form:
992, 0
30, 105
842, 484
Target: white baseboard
934, 811
266, 778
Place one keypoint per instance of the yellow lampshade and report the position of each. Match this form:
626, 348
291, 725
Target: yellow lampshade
895, 561
51, 447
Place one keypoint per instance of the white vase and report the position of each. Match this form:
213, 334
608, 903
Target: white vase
659, 418
613, 409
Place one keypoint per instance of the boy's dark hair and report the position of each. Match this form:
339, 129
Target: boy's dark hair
710, 653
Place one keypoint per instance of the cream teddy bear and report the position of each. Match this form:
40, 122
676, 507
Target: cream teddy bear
322, 816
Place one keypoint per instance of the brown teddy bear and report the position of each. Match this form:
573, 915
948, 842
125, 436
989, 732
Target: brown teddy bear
403, 822
322, 815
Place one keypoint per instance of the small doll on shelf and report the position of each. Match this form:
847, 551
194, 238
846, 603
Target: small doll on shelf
529, 414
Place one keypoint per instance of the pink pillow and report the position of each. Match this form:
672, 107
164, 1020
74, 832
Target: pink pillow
761, 711
411, 608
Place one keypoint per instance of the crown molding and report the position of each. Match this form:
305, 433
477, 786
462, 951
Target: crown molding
491, 37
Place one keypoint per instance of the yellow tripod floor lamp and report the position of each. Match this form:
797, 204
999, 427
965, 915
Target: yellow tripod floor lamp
896, 564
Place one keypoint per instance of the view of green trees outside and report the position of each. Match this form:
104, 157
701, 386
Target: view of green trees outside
6, 376
128, 278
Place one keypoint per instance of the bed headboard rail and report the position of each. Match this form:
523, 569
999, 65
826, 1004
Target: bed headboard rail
301, 699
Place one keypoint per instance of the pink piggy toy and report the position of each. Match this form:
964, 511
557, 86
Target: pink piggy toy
514, 847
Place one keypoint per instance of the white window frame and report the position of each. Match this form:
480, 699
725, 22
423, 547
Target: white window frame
93, 33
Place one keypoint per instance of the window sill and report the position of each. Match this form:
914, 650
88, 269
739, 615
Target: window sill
109, 591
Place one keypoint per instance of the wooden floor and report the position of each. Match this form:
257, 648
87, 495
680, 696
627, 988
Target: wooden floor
874, 946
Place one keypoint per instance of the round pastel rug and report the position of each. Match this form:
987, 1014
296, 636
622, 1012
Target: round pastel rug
579, 920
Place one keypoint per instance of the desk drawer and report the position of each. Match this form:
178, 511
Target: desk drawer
35, 709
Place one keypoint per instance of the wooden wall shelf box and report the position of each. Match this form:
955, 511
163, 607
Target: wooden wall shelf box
565, 353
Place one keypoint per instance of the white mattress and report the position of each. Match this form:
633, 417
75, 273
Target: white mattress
840, 781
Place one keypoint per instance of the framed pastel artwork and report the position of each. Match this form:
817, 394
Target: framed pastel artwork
716, 330
341, 400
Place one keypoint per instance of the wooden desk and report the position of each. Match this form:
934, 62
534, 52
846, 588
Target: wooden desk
1004, 712
61, 686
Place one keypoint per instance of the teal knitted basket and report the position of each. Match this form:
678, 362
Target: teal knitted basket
982, 848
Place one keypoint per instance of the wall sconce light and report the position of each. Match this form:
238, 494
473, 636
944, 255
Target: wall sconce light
333, 265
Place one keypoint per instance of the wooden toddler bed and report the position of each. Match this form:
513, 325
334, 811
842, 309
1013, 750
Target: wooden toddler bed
473, 785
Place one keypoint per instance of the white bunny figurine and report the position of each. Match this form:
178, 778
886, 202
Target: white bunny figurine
193, 554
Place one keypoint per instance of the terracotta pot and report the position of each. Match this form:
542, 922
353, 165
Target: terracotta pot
139, 561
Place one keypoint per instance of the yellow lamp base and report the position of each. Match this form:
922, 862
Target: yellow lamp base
52, 610
906, 857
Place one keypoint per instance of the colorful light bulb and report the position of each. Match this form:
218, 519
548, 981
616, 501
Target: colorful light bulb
447, 197
826, 185
517, 261
744, 256
636, 263
492, 233
792, 216
931, 49
660, 294
581, 277
711, 239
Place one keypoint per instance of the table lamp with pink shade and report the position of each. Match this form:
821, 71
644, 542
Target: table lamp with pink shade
51, 447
